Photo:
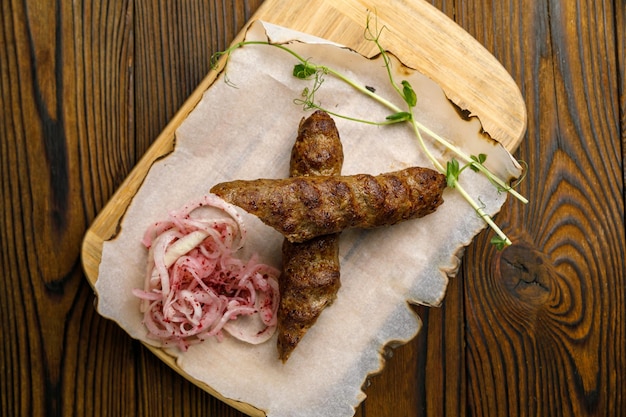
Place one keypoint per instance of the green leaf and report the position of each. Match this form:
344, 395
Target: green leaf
304, 71
402, 116
480, 159
452, 172
409, 94
499, 242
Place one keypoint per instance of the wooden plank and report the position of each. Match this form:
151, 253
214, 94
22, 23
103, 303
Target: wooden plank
545, 317
55, 108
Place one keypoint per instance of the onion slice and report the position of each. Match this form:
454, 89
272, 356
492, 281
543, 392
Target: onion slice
196, 288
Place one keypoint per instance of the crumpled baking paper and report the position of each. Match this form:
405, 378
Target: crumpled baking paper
244, 129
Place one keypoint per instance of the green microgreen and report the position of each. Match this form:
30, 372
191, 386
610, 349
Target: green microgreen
499, 242
452, 172
401, 116
409, 94
478, 160
304, 69
453, 168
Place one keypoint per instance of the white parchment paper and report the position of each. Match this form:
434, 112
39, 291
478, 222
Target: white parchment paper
245, 130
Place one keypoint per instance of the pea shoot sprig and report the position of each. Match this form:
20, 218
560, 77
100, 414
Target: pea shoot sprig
307, 70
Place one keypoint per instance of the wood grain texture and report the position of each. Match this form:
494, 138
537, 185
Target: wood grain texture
538, 329
545, 320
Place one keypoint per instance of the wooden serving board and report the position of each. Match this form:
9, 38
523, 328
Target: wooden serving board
416, 32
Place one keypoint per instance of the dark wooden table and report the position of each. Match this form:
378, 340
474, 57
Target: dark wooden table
538, 329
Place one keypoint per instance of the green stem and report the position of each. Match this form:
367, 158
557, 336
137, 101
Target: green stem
457, 186
360, 88
482, 213
422, 143
459, 152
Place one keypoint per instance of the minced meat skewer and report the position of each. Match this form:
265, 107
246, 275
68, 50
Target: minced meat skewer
302, 207
311, 274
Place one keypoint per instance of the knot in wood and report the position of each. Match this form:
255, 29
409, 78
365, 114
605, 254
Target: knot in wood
526, 273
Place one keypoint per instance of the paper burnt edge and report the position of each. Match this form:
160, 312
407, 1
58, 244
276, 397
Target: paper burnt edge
368, 362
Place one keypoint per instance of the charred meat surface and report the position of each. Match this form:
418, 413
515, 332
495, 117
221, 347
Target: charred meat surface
318, 149
308, 284
311, 274
304, 207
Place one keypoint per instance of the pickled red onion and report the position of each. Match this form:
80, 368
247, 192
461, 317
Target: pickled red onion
195, 286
